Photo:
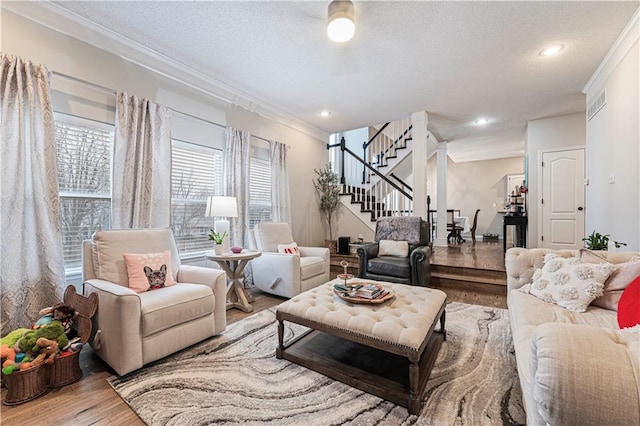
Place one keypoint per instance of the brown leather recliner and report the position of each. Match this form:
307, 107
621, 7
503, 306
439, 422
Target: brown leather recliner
415, 269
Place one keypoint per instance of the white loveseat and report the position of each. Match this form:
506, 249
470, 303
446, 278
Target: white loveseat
574, 368
133, 329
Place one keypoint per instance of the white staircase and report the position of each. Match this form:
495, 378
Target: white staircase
374, 186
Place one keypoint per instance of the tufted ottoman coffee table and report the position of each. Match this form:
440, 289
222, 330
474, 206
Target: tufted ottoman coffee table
385, 349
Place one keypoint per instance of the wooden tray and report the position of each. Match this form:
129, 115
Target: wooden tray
364, 300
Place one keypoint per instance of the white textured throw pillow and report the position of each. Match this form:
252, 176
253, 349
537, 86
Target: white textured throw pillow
568, 282
393, 248
289, 249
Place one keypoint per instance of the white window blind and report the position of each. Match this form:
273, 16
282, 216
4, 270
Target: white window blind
196, 173
259, 191
84, 178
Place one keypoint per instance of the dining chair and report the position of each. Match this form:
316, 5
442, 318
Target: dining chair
455, 230
474, 225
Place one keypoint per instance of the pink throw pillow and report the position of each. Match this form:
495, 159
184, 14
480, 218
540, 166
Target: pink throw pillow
140, 280
623, 274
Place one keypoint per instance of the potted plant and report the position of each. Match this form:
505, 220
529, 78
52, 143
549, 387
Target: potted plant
217, 238
598, 241
328, 190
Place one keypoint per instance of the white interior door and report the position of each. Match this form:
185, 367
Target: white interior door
563, 199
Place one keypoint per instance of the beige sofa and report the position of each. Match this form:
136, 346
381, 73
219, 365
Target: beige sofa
574, 368
134, 329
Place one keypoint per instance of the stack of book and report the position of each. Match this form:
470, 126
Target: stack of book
363, 291
370, 291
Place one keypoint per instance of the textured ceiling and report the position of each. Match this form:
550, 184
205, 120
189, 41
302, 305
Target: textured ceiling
455, 60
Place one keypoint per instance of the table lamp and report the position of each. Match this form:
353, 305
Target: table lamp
222, 207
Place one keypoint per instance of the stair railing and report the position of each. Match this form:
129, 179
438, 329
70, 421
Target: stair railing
386, 198
385, 143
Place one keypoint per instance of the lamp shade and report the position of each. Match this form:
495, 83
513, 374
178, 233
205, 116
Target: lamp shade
222, 207
341, 22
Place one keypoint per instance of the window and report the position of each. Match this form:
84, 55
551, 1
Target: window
196, 173
259, 187
84, 179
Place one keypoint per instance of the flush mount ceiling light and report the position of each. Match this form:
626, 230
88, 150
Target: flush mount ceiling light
325, 113
551, 50
341, 24
481, 121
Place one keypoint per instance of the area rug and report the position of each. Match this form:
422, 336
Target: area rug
236, 378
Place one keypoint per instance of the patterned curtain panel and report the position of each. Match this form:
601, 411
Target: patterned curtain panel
236, 175
31, 261
280, 201
141, 164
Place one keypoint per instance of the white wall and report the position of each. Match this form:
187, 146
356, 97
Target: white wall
613, 143
475, 185
547, 134
73, 57
349, 225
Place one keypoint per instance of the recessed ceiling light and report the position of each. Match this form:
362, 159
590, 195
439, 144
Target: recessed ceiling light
481, 121
325, 114
551, 50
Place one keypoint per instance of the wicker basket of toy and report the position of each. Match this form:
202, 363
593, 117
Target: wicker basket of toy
25, 385
66, 367
52, 366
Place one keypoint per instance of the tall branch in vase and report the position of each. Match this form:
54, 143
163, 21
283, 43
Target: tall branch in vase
328, 190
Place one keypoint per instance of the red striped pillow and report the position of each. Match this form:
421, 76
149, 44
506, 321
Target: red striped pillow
289, 249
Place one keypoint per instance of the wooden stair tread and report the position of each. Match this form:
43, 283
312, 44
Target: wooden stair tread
470, 278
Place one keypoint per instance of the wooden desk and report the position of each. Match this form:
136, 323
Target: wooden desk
520, 236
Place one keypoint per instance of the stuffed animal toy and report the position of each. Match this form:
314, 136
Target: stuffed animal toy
53, 331
63, 313
7, 353
11, 338
48, 350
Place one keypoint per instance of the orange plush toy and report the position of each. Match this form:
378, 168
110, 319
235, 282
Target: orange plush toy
8, 354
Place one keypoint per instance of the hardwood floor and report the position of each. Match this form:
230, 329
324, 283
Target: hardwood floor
471, 273
91, 401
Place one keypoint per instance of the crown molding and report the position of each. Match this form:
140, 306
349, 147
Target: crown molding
625, 41
69, 23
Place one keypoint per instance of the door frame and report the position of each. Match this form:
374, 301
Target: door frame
539, 206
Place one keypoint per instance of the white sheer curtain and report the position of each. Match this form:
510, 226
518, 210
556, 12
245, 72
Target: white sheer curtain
31, 260
236, 173
141, 164
280, 200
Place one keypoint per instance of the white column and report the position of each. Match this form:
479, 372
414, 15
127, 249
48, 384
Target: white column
441, 237
419, 163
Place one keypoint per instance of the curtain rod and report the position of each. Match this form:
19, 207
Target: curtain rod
114, 92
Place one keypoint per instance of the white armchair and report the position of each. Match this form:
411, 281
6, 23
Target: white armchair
133, 329
284, 274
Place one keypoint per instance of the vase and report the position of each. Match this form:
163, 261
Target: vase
218, 249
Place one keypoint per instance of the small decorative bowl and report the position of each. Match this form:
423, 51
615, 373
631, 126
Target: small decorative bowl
236, 250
